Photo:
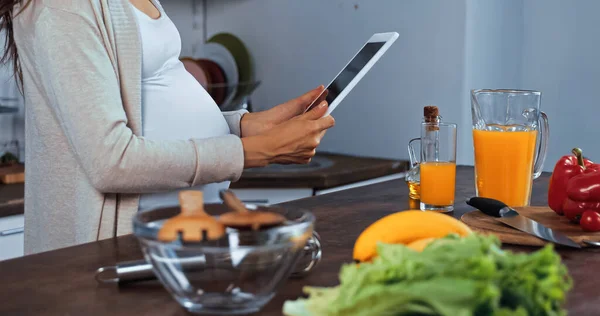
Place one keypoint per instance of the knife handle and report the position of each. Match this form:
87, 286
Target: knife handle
488, 206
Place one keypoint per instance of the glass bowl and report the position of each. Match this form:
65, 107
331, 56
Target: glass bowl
237, 274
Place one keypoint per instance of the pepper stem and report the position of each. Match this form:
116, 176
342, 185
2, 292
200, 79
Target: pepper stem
579, 154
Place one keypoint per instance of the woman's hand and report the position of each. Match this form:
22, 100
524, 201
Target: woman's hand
257, 123
293, 141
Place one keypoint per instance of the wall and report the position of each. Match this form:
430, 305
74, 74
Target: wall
300, 44
560, 58
492, 58
445, 49
187, 16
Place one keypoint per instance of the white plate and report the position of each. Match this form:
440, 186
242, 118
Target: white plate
220, 55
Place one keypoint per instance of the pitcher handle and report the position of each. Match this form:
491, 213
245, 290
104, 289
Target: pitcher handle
313, 251
411, 152
544, 133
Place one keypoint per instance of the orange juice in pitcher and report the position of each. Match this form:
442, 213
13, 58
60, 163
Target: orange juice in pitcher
504, 165
508, 127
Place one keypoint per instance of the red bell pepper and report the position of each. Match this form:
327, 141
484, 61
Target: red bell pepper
566, 168
585, 187
583, 193
574, 209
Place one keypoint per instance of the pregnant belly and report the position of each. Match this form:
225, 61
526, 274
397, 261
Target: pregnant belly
176, 106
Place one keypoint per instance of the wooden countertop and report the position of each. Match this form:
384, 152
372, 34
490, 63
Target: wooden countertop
344, 170
62, 282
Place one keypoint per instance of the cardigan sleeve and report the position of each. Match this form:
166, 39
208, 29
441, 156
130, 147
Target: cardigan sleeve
81, 84
234, 119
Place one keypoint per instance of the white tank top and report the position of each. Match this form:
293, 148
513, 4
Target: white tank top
174, 105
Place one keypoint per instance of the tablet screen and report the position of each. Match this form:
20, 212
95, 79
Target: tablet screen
348, 73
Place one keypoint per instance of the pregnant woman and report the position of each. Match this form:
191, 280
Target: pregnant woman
115, 124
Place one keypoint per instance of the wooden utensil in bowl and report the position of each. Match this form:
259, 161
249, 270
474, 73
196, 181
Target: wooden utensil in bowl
242, 218
193, 224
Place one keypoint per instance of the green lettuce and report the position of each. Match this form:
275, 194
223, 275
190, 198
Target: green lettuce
452, 276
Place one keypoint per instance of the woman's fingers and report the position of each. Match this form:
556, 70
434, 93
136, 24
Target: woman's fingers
325, 122
322, 133
296, 140
310, 96
321, 97
300, 103
316, 112
294, 107
322, 124
318, 130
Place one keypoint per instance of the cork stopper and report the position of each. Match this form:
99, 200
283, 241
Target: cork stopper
431, 115
430, 112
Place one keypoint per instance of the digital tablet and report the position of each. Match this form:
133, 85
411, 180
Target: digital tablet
355, 70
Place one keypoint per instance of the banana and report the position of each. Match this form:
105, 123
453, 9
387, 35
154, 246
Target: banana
420, 244
404, 228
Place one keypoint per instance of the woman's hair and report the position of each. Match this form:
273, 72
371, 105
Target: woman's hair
10, 53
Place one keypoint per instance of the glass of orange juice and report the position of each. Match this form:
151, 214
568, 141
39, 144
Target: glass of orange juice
510, 137
438, 166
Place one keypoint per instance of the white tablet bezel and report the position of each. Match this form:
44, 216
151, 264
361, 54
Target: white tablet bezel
389, 38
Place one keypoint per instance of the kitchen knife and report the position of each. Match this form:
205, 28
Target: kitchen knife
512, 218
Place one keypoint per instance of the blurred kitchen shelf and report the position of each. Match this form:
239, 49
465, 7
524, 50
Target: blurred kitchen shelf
243, 91
11, 108
8, 109
12, 174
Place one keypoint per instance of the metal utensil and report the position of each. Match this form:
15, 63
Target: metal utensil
125, 272
592, 243
140, 270
503, 213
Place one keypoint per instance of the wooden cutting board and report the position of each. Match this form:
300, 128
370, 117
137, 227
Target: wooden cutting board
489, 225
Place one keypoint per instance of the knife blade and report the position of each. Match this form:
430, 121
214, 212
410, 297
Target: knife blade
507, 215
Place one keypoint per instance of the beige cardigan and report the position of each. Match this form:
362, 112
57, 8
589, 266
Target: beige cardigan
86, 164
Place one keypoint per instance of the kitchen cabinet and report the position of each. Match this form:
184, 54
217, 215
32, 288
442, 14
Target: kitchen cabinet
11, 236
359, 184
327, 173
11, 227
268, 196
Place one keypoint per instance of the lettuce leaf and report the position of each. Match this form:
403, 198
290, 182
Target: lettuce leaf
452, 276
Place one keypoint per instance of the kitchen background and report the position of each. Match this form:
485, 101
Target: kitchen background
445, 49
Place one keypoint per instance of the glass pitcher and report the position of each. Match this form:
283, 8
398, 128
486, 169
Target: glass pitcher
510, 140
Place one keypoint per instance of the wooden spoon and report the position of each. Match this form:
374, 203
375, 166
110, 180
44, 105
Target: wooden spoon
192, 224
242, 218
